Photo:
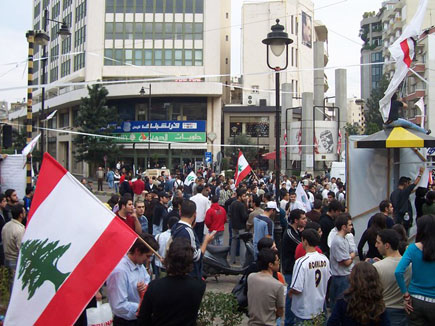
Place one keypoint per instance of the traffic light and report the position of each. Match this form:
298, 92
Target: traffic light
7, 136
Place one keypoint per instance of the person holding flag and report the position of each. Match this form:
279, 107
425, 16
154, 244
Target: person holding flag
242, 169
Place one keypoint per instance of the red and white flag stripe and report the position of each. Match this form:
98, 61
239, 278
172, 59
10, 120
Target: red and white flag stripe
64, 210
402, 51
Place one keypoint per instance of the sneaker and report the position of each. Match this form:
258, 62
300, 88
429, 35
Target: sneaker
428, 132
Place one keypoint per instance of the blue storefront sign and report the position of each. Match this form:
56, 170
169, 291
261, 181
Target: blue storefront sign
208, 157
162, 126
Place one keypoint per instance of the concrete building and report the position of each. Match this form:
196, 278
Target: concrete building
371, 52
139, 43
355, 113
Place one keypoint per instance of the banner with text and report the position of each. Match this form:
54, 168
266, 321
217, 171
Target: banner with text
180, 137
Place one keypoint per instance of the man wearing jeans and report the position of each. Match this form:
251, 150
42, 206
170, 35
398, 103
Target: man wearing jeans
290, 240
387, 243
341, 257
238, 218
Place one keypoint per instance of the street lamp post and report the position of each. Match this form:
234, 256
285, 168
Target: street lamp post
142, 93
278, 41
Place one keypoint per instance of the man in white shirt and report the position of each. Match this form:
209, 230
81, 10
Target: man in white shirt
325, 190
202, 205
12, 233
310, 280
294, 203
284, 201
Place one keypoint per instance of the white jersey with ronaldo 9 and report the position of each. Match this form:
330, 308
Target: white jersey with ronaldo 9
310, 277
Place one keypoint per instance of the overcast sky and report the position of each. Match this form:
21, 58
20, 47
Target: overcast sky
342, 18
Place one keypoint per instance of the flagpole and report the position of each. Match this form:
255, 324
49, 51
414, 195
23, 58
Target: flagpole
150, 248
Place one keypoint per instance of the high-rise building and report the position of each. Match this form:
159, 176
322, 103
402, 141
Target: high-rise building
169, 47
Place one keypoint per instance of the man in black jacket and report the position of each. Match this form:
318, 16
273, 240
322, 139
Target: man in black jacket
239, 216
327, 224
160, 212
290, 240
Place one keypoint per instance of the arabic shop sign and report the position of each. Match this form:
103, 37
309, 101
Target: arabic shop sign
162, 126
177, 137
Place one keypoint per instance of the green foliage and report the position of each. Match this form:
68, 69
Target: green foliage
94, 117
39, 264
219, 309
233, 152
19, 139
352, 129
5, 285
372, 115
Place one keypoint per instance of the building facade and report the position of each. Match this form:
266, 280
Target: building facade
169, 47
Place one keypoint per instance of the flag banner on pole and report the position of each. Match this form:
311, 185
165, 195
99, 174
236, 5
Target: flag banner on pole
299, 140
420, 105
51, 115
190, 179
402, 51
316, 146
242, 169
30, 146
301, 195
285, 142
71, 244
339, 143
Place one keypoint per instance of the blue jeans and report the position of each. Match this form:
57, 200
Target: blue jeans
289, 315
338, 285
398, 317
406, 124
218, 238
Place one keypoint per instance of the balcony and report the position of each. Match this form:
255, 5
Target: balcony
415, 95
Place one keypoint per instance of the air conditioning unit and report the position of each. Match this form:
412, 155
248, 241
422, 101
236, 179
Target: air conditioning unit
251, 99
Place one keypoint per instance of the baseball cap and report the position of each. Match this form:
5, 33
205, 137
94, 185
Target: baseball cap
272, 205
164, 194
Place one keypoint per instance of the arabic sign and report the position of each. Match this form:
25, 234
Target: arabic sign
162, 126
181, 137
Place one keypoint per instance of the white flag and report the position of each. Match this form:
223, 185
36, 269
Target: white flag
30, 146
301, 195
420, 105
190, 178
51, 115
402, 51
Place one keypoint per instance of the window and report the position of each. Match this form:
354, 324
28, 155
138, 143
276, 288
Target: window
108, 35
178, 55
179, 6
157, 57
66, 45
178, 31
68, 19
54, 53
129, 6
148, 31
159, 6
149, 8
198, 30
138, 57
226, 37
169, 35
139, 6
257, 129
37, 10
108, 55
296, 57
55, 11
128, 57
65, 68
80, 11
148, 57
66, 4
80, 36
188, 30
128, 31
226, 61
169, 6
138, 31
187, 57
235, 129
79, 61
119, 58
110, 6
189, 6
64, 120
45, 3
199, 7
54, 74
198, 57
168, 57
119, 31
158, 31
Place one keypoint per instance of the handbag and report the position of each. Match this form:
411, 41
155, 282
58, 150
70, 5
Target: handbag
240, 292
100, 316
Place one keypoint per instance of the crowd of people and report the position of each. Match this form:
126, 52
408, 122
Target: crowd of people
312, 270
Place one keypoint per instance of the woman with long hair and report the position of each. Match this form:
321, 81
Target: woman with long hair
379, 223
403, 238
429, 206
419, 296
362, 303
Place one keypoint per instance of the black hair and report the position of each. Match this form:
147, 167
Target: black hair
199, 189
179, 259
188, 208
334, 205
425, 235
383, 205
2, 196
331, 193
312, 225
29, 189
141, 247
311, 236
240, 192
295, 214
16, 210
391, 237
341, 220
266, 256
172, 221
264, 242
403, 181
176, 202
9, 192
403, 238
317, 204
394, 97
430, 197
123, 201
257, 201
214, 199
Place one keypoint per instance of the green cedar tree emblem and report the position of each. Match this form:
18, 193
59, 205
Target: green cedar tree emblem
240, 168
38, 264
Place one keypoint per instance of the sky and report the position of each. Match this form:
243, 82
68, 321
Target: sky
341, 17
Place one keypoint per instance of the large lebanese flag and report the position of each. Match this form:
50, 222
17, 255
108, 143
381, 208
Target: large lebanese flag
402, 51
71, 244
242, 170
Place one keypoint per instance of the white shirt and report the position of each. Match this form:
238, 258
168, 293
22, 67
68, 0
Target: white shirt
162, 239
202, 205
349, 237
325, 193
288, 185
310, 277
297, 204
283, 203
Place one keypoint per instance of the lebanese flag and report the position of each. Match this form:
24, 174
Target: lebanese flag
71, 244
402, 51
420, 105
285, 142
242, 170
299, 140
316, 146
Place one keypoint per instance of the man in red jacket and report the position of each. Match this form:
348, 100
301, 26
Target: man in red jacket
215, 219
138, 186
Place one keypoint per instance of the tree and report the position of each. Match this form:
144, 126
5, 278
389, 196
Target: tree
39, 264
95, 117
352, 129
242, 139
372, 115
